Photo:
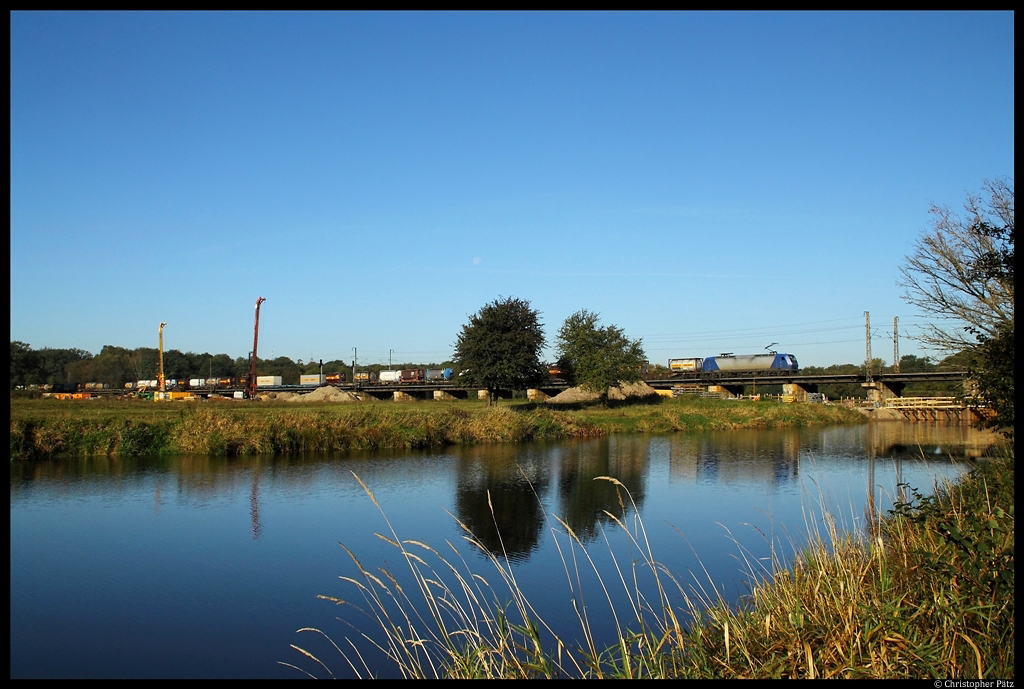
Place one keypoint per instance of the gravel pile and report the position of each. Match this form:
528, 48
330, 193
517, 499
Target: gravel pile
620, 392
327, 393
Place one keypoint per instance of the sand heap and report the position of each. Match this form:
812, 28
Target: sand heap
327, 393
620, 392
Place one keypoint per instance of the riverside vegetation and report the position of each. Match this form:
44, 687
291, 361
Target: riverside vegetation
43, 428
927, 593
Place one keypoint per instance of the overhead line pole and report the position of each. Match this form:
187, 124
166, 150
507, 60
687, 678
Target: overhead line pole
896, 344
867, 342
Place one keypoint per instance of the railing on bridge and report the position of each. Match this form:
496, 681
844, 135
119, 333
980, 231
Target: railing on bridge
924, 403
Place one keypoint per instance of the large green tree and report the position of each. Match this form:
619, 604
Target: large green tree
500, 347
596, 357
24, 364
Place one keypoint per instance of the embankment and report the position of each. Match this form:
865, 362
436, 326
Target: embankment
52, 428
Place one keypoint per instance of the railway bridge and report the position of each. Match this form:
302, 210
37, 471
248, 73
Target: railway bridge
880, 386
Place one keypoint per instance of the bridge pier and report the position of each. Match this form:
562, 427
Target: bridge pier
799, 390
450, 394
535, 395
726, 391
377, 394
400, 396
879, 391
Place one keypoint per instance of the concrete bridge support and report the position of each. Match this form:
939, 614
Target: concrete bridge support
498, 394
535, 395
400, 396
879, 392
726, 391
377, 394
799, 390
451, 395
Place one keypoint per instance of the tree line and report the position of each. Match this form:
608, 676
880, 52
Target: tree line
116, 366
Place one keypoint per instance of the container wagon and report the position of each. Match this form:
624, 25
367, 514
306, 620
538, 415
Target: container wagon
389, 377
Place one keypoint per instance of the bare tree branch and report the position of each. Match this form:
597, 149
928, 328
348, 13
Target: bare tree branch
961, 271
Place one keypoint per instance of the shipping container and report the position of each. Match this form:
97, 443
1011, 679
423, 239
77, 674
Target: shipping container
685, 365
197, 382
412, 375
435, 375
312, 379
367, 377
389, 377
268, 381
337, 378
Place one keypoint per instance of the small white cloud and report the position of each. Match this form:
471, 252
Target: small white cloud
476, 261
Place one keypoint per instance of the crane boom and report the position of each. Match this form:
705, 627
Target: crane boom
251, 387
160, 378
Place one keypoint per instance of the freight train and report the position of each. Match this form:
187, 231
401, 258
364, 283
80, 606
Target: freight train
227, 383
770, 364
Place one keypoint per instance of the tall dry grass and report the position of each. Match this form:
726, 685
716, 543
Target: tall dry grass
928, 593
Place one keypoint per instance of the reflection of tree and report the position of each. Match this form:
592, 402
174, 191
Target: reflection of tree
584, 501
497, 499
771, 457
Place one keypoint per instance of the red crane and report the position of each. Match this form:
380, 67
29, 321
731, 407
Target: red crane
251, 386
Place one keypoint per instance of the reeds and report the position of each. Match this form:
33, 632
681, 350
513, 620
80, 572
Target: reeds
51, 428
927, 593
441, 619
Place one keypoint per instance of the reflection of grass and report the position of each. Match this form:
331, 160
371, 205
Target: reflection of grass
929, 594
45, 428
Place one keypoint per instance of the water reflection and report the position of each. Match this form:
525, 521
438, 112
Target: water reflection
768, 457
205, 566
584, 502
498, 496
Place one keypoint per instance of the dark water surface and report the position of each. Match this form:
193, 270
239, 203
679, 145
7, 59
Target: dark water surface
202, 567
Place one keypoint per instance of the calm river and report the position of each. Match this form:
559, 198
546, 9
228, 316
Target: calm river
201, 567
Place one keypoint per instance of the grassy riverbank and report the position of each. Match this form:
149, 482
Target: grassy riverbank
927, 594
51, 428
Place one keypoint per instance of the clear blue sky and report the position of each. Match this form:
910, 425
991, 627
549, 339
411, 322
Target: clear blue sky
708, 182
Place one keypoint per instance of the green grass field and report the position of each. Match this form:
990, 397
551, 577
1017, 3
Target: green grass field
47, 427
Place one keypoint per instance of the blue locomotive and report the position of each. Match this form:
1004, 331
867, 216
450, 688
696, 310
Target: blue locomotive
771, 363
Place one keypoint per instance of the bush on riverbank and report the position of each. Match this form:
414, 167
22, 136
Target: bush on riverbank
929, 595
51, 428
